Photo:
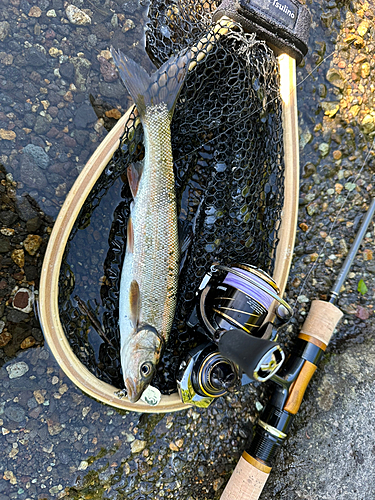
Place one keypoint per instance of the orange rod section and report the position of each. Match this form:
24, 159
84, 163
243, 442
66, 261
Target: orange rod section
299, 387
259, 465
313, 340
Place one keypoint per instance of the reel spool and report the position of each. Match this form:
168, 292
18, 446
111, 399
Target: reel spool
206, 375
238, 297
215, 375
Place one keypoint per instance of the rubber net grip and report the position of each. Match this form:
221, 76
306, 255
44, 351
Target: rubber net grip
246, 482
321, 321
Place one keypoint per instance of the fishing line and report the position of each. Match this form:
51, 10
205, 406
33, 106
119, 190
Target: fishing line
314, 265
332, 225
202, 48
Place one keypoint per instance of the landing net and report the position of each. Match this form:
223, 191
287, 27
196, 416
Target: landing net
227, 141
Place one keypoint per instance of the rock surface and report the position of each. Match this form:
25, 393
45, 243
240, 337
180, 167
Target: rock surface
77, 16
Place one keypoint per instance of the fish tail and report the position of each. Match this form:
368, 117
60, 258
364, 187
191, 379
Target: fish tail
162, 86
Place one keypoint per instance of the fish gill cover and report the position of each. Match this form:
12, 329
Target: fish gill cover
227, 142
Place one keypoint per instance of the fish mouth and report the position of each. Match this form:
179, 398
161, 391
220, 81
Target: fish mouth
131, 390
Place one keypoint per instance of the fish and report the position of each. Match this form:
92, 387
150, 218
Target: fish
149, 275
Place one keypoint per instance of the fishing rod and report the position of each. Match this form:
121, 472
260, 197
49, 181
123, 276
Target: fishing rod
291, 381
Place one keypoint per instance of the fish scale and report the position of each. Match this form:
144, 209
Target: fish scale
156, 248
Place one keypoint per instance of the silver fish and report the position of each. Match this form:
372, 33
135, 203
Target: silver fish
149, 276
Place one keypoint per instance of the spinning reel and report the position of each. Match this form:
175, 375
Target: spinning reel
233, 304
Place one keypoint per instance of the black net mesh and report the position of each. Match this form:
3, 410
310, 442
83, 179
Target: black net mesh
227, 142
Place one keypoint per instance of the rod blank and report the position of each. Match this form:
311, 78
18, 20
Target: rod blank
352, 253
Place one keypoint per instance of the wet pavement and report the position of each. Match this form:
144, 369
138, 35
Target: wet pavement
59, 443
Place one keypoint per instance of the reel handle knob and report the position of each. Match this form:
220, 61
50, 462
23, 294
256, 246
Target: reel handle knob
258, 358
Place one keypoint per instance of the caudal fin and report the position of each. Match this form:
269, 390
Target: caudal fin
163, 85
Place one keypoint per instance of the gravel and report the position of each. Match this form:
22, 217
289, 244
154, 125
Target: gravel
38, 155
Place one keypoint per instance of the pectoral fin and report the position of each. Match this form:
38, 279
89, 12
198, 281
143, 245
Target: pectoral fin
135, 303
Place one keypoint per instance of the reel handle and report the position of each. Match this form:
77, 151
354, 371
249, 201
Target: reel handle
258, 358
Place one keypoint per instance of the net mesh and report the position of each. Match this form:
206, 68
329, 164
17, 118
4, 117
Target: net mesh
227, 143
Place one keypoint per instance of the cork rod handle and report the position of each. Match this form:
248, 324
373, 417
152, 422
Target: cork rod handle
247, 480
250, 475
321, 321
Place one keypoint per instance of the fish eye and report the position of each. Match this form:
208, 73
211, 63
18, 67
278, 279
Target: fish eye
146, 369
